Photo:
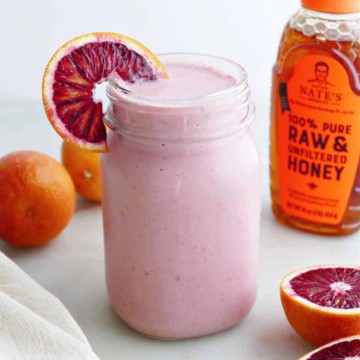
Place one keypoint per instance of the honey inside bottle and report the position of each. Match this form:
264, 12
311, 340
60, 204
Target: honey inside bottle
315, 124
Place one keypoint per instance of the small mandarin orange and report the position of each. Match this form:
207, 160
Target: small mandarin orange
84, 168
37, 198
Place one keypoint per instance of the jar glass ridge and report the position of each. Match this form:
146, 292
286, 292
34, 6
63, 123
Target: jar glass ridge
196, 118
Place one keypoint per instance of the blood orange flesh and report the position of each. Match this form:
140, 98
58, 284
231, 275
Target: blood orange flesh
347, 349
337, 288
73, 73
322, 303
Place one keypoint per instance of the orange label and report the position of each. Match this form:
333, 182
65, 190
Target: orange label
318, 129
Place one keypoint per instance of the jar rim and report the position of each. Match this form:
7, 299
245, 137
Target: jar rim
117, 93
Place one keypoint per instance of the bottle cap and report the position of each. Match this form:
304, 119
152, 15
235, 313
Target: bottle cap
333, 6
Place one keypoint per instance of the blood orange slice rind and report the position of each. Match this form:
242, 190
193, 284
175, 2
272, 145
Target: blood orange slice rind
72, 74
347, 349
322, 303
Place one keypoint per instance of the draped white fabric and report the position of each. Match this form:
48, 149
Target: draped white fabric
34, 324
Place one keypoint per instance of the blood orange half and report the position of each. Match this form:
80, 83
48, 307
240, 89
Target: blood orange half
322, 303
71, 77
347, 349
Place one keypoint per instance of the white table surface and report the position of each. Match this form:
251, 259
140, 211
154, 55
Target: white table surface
72, 266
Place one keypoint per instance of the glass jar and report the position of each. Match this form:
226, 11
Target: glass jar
181, 207
315, 127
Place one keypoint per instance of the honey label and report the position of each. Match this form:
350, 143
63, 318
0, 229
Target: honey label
318, 131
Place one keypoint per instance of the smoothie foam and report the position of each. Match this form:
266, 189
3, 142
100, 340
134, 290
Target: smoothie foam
185, 81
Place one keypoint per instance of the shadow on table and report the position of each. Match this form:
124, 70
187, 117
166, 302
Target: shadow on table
83, 204
15, 253
283, 341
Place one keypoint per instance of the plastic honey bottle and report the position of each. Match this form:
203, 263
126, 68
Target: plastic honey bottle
315, 119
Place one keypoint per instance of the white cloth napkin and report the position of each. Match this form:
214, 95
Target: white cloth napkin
34, 325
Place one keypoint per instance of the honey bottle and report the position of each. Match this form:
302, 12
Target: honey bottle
315, 119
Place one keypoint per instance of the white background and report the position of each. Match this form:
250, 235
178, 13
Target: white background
247, 31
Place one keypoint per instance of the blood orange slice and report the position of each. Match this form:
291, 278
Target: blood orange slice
347, 349
322, 303
71, 77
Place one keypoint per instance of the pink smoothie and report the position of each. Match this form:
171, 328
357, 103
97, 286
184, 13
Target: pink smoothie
181, 206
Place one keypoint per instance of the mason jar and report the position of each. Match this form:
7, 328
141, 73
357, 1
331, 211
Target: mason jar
181, 206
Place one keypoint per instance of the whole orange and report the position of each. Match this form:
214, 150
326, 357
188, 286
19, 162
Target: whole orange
84, 168
37, 198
